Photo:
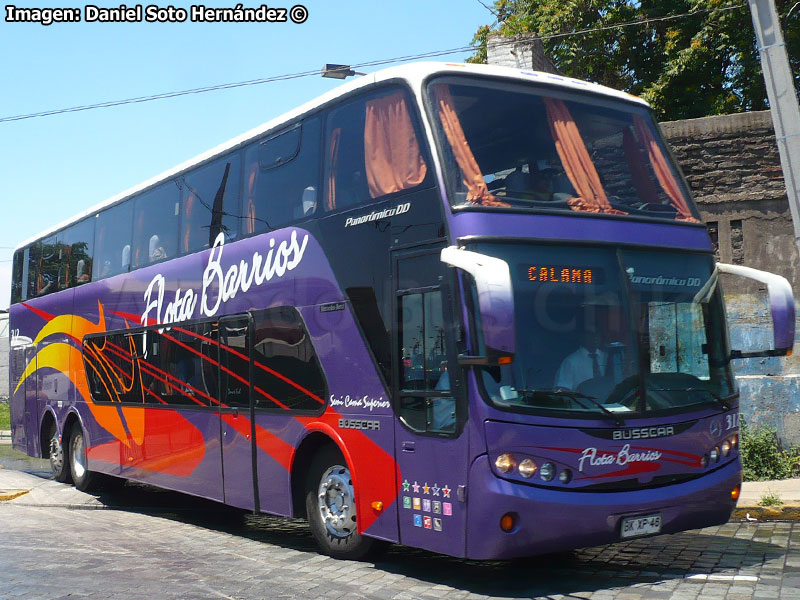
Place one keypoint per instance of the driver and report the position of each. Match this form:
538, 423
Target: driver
587, 362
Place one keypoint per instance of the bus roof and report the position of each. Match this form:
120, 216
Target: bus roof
415, 74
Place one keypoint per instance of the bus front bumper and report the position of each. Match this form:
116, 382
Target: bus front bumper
550, 520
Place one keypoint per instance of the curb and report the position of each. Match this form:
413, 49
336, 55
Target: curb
11, 494
766, 513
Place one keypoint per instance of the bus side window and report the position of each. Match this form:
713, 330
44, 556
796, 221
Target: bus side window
78, 246
425, 400
112, 241
281, 178
285, 362
18, 277
209, 204
34, 266
371, 150
155, 229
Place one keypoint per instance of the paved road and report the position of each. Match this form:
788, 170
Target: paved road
56, 543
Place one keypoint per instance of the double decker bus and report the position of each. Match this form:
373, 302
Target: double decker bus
462, 308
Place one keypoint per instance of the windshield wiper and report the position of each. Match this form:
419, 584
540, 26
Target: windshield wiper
722, 401
578, 397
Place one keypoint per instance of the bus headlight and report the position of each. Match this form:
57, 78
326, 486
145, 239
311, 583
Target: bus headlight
735, 440
704, 461
527, 468
505, 463
547, 471
726, 448
715, 454
565, 476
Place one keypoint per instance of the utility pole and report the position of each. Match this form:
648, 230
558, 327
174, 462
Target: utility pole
782, 97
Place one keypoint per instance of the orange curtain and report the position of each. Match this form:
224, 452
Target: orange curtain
576, 161
391, 151
641, 178
250, 217
662, 170
477, 192
333, 159
187, 220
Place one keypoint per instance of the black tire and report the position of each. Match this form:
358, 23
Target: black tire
329, 492
59, 457
82, 477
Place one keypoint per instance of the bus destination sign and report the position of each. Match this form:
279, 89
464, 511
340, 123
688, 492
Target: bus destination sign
576, 274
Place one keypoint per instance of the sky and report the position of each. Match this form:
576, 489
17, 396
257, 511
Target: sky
54, 167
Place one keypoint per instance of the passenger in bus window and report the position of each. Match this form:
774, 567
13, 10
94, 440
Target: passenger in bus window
126, 258
81, 273
155, 249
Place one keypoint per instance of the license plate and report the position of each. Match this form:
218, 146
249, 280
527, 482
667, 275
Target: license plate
636, 526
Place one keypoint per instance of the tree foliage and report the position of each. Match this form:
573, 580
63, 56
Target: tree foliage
694, 66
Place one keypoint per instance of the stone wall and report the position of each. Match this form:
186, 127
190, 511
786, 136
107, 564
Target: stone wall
732, 166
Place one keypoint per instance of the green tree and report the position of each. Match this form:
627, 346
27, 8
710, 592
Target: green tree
698, 65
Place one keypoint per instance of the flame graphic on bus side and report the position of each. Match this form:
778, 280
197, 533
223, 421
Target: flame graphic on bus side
65, 358
128, 424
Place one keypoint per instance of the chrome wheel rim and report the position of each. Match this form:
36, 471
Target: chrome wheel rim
78, 456
337, 501
56, 454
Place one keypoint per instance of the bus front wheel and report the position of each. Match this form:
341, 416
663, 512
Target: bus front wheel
82, 477
331, 508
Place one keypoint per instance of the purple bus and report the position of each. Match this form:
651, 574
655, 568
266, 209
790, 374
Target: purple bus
462, 308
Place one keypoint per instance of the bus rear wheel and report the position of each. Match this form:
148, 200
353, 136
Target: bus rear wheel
82, 477
331, 508
59, 462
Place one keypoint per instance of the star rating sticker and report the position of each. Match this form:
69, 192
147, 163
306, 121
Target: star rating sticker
435, 489
406, 485
446, 491
415, 487
425, 489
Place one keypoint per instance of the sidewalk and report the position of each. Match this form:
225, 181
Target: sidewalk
787, 491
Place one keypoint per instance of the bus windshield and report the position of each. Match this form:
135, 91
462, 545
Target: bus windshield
526, 147
611, 332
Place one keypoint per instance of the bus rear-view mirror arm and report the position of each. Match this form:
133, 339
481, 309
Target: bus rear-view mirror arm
495, 303
781, 302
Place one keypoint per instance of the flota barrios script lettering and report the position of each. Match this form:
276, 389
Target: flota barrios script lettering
622, 458
221, 284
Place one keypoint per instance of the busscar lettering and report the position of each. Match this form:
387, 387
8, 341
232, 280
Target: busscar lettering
643, 433
43, 16
359, 424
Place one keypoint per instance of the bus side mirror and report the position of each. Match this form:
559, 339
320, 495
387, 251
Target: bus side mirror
781, 302
495, 302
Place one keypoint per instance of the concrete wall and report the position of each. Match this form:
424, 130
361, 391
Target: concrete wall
733, 168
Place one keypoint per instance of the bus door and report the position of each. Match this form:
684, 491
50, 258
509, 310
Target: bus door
236, 412
431, 449
24, 404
